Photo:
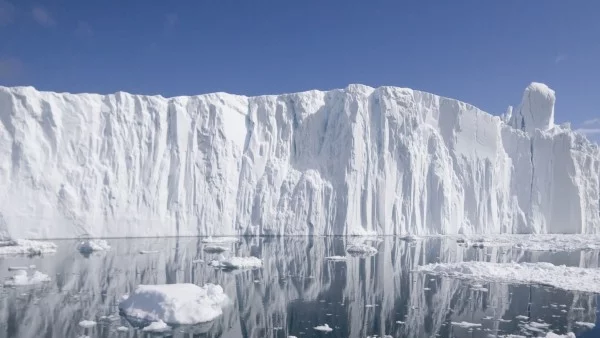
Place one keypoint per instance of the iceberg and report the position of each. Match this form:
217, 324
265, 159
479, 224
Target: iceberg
352, 161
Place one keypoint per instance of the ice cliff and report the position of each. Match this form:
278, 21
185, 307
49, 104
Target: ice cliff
351, 161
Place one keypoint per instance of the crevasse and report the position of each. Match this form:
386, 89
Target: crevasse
351, 161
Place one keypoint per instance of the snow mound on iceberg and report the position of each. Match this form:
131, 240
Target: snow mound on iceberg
175, 304
26, 247
558, 276
352, 161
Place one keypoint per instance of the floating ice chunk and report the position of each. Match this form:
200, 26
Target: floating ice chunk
197, 261
16, 268
586, 324
336, 258
21, 278
26, 247
183, 304
220, 240
466, 325
145, 252
237, 262
554, 335
361, 250
522, 317
558, 276
324, 328
87, 323
91, 245
409, 238
538, 242
215, 248
122, 329
157, 326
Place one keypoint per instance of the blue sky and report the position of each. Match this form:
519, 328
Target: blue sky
482, 52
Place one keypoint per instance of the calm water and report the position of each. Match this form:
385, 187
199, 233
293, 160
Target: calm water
295, 290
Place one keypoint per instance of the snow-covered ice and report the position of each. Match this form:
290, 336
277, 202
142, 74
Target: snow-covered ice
586, 324
184, 304
26, 247
87, 323
23, 278
122, 329
323, 328
91, 245
352, 161
157, 326
237, 262
466, 325
558, 276
538, 242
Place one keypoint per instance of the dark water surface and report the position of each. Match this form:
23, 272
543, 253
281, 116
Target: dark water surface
295, 290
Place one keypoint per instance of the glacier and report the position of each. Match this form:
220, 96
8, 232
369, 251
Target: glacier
352, 161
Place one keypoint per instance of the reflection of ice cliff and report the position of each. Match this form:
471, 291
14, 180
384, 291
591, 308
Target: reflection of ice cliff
296, 288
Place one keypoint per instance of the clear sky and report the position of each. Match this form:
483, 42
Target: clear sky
481, 52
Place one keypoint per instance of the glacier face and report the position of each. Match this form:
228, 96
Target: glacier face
352, 161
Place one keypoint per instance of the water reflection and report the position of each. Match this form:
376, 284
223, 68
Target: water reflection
295, 290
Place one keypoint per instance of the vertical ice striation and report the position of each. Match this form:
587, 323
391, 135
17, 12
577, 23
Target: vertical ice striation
352, 161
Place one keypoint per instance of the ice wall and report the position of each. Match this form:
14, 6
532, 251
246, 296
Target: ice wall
350, 161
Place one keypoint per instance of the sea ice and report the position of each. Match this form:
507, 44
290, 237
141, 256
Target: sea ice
324, 328
21, 278
558, 276
87, 323
91, 245
215, 248
237, 262
183, 304
26, 247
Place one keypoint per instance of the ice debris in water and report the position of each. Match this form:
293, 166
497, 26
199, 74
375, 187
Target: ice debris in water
558, 276
220, 240
324, 328
122, 329
466, 325
361, 250
215, 248
237, 262
21, 278
91, 245
586, 324
145, 252
157, 326
336, 258
179, 304
26, 247
87, 323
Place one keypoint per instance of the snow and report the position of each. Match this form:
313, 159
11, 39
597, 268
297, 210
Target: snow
558, 276
237, 262
183, 304
352, 161
26, 247
22, 278
87, 323
92, 245
158, 326
323, 328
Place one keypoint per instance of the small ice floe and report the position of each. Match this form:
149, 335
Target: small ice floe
122, 329
220, 240
176, 304
586, 324
86, 324
215, 248
399, 322
361, 250
21, 278
466, 325
336, 258
16, 268
554, 335
409, 238
323, 328
197, 261
146, 252
26, 247
157, 326
521, 317
91, 245
237, 262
